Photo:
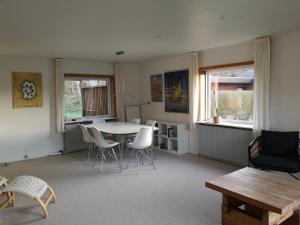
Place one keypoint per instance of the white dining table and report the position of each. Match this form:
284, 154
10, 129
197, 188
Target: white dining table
121, 130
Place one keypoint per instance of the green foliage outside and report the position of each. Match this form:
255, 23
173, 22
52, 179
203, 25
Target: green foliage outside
234, 105
73, 107
73, 100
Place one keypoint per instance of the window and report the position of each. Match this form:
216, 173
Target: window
86, 97
230, 94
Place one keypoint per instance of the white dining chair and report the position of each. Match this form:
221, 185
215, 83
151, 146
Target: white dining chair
130, 137
141, 144
104, 146
150, 123
89, 139
136, 120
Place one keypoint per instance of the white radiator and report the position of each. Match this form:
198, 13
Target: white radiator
224, 143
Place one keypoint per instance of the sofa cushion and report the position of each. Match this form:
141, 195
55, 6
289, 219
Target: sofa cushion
288, 165
280, 143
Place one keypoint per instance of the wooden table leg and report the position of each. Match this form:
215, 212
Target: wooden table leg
232, 215
294, 219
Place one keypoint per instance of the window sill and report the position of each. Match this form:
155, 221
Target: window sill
228, 125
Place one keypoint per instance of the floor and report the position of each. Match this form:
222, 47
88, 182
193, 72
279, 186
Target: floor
173, 194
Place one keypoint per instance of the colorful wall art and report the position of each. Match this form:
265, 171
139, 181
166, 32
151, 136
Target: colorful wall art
27, 89
156, 88
177, 91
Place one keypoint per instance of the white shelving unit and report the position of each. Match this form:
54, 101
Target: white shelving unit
172, 137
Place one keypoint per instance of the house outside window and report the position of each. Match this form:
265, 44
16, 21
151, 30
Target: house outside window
86, 97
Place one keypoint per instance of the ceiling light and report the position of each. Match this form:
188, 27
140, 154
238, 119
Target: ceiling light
159, 36
120, 53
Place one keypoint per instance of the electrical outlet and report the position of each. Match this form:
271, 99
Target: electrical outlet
25, 156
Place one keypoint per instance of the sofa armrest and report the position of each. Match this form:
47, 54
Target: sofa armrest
254, 148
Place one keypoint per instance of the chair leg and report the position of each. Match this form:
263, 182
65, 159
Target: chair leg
142, 158
8, 202
97, 155
120, 165
152, 156
130, 158
43, 206
149, 158
102, 158
88, 154
292, 175
53, 194
87, 159
137, 158
152, 162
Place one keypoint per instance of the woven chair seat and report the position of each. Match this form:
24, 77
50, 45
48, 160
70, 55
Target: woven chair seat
31, 186
27, 185
2, 184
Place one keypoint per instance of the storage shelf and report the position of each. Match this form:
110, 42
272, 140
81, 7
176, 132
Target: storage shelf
172, 137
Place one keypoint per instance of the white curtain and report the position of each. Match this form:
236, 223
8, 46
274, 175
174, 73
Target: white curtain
261, 98
194, 96
60, 89
120, 91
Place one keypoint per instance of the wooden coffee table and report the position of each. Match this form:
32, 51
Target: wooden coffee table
255, 197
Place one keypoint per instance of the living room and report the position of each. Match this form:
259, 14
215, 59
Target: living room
55, 42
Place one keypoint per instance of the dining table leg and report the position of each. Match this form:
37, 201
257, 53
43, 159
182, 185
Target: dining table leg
121, 142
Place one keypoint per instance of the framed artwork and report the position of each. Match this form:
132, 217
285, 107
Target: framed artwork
27, 89
156, 88
177, 91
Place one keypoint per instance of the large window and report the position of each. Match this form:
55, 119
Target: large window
86, 97
230, 94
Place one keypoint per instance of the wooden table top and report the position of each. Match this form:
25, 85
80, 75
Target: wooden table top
262, 189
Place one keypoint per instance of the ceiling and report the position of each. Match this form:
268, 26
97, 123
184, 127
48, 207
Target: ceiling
144, 29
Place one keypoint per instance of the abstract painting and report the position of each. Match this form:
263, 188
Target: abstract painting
177, 91
156, 88
27, 89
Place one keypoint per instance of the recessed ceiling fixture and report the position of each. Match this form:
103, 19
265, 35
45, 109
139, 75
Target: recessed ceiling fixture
120, 53
159, 36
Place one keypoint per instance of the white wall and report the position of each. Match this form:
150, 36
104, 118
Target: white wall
132, 83
32, 131
87, 67
156, 110
285, 82
240, 52
27, 131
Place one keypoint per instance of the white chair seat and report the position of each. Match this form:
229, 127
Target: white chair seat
112, 143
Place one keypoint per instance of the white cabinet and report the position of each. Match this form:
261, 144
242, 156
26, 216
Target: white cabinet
172, 137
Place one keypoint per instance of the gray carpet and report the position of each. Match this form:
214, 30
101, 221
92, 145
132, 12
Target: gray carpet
173, 194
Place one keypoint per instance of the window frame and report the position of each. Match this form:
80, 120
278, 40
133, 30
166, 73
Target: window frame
206, 70
111, 89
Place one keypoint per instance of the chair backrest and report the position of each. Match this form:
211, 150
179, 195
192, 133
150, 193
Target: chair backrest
87, 137
143, 139
151, 123
99, 139
136, 120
